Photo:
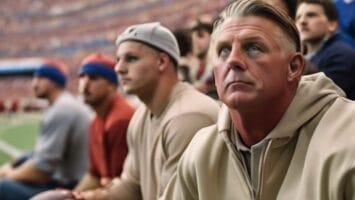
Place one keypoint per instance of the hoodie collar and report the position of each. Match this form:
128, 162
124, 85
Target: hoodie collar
314, 92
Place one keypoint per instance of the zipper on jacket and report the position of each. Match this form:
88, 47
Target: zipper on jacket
246, 175
239, 161
260, 171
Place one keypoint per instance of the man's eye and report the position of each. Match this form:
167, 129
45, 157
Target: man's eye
224, 52
93, 77
312, 14
253, 49
131, 58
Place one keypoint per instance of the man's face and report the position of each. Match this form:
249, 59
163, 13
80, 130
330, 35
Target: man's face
137, 67
250, 62
94, 89
312, 23
42, 86
200, 42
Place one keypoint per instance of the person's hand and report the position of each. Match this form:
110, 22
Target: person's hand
90, 195
78, 195
104, 181
59, 194
5, 169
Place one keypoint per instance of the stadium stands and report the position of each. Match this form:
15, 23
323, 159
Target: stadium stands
71, 29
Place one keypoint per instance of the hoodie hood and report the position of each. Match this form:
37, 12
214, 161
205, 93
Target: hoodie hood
314, 93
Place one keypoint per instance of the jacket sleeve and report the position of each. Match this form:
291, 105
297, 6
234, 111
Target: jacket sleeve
50, 146
117, 143
178, 134
350, 184
182, 185
340, 68
128, 185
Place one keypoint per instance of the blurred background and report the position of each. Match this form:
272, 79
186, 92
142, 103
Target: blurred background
68, 30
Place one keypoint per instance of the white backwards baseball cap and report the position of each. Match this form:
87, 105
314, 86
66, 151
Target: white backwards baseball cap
153, 34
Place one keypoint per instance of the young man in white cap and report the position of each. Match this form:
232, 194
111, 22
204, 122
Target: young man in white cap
60, 156
161, 128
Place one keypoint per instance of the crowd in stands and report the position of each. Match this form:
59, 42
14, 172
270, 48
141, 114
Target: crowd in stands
266, 77
69, 30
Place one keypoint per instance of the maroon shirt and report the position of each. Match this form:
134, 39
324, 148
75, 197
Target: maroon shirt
108, 146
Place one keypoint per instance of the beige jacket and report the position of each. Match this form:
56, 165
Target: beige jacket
156, 143
310, 156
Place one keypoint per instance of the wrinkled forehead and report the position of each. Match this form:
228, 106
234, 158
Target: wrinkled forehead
305, 7
249, 22
249, 26
133, 47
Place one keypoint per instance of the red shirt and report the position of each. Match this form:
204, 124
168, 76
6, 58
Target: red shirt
108, 145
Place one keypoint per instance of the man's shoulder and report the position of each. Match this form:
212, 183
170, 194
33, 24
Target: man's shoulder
337, 46
67, 100
342, 112
189, 100
68, 106
120, 110
331, 150
335, 131
206, 148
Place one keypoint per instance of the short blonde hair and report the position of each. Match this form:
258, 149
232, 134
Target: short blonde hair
244, 8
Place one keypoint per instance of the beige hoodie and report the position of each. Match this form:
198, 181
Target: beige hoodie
310, 155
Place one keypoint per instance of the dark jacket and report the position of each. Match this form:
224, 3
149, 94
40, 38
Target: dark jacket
337, 60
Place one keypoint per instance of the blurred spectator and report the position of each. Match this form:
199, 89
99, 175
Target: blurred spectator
201, 30
60, 156
188, 63
288, 6
346, 18
98, 85
2, 106
108, 148
11, 105
49, 32
317, 23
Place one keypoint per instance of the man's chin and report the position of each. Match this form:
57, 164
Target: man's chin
128, 90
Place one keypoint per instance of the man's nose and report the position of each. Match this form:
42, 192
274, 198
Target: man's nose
120, 68
235, 60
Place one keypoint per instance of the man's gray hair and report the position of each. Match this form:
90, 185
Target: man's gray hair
244, 8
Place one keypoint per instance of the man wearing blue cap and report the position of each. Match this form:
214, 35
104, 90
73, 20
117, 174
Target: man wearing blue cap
108, 147
60, 156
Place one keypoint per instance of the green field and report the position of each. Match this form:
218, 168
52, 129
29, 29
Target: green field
18, 130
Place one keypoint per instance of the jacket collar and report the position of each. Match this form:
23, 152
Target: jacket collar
314, 93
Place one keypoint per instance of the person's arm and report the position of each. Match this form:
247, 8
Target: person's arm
339, 66
88, 182
349, 191
4, 169
118, 149
54, 195
179, 133
128, 185
27, 172
183, 185
52, 141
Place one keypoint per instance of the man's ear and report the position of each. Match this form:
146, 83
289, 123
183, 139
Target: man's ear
295, 69
332, 26
163, 61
